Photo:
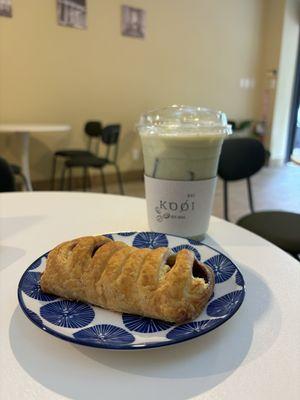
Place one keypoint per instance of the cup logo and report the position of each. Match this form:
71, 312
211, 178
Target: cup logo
174, 209
179, 207
161, 216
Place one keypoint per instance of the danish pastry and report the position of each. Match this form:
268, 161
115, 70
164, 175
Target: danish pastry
110, 274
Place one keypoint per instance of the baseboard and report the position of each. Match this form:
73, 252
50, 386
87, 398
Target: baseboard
77, 181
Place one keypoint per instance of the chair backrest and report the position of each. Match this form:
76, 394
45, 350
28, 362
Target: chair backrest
240, 158
94, 131
7, 179
93, 128
110, 136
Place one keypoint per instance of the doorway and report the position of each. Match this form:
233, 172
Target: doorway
293, 150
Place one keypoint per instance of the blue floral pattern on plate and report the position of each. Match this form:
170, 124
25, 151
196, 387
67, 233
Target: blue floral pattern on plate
239, 279
224, 305
150, 240
31, 286
192, 328
109, 236
176, 249
69, 314
34, 317
105, 334
143, 324
92, 326
222, 267
35, 264
194, 242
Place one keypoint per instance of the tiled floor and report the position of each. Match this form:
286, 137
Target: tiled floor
273, 188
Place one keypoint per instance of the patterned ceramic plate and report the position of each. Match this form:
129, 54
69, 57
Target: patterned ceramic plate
93, 326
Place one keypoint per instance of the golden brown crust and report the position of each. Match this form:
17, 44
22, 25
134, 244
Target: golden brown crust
122, 278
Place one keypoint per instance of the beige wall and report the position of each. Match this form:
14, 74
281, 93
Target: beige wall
195, 52
273, 23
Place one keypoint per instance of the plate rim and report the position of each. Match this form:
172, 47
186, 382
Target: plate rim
130, 346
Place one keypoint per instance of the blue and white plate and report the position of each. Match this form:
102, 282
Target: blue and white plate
93, 326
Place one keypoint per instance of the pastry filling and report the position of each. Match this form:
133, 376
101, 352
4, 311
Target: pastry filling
96, 248
171, 260
166, 267
199, 271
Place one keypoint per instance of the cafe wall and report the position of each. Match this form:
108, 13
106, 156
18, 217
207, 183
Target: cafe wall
195, 52
273, 25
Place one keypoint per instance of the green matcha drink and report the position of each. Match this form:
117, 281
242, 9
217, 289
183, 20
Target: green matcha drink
182, 156
181, 147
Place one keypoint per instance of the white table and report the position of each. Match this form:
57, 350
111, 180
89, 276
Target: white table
254, 355
24, 131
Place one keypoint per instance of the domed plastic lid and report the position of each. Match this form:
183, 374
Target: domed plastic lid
175, 120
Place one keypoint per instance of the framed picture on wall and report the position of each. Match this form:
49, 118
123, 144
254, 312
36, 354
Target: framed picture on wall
133, 22
72, 13
5, 8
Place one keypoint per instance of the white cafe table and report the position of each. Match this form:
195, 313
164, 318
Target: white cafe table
24, 131
254, 355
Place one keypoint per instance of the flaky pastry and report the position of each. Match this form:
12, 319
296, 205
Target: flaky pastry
110, 274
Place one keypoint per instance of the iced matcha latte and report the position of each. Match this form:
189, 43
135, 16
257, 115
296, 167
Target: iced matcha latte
181, 147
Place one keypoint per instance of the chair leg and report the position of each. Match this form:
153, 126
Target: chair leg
25, 183
89, 179
53, 173
84, 178
70, 179
103, 181
119, 179
225, 200
250, 197
62, 180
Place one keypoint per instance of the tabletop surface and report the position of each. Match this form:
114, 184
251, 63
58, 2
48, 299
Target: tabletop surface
18, 128
255, 355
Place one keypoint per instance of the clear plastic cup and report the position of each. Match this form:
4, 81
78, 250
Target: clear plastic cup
181, 144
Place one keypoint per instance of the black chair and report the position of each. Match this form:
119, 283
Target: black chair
279, 227
110, 137
7, 179
240, 159
93, 130
16, 169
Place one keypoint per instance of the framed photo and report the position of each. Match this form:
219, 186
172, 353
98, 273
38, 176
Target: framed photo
72, 13
5, 8
133, 22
